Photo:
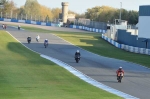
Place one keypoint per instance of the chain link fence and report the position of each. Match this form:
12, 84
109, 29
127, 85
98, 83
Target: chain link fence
90, 23
24, 17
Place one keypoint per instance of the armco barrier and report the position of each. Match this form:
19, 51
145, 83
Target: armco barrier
83, 27
108, 39
136, 49
44, 24
141, 50
71, 26
100, 30
90, 29
102, 35
28, 21
33, 22
14, 20
127, 47
148, 51
131, 48
112, 42
49, 24
38, 23
122, 46
80, 27
1, 19
77, 27
21, 21
7, 20
116, 44
96, 30
74, 26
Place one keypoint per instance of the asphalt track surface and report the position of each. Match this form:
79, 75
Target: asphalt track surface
137, 78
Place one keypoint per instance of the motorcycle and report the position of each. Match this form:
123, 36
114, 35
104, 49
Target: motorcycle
3, 26
77, 58
29, 40
46, 44
37, 39
120, 76
18, 28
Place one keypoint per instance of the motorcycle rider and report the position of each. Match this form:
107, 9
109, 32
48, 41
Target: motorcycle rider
77, 54
46, 41
3, 26
18, 27
37, 38
29, 38
118, 71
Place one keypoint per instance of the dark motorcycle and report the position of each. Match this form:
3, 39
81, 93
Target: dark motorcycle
120, 76
3, 26
29, 40
18, 28
46, 44
77, 58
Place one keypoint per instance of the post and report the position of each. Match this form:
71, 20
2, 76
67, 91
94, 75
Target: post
120, 9
21, 16
31, 17
6, 15
11, 14
26, 16
35, 17
16, 16
1, 15
43, 18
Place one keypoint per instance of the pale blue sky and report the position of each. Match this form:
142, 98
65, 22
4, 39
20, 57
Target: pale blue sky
80, 6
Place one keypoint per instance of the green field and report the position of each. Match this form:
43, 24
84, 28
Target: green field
25, 75
94, 43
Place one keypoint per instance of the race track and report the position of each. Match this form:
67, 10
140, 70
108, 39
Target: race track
137, 78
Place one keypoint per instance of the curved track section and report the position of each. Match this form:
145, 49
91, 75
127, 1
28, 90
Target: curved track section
102, 69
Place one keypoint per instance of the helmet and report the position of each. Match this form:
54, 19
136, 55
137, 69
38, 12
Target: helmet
77, 51
120, 67
46, 39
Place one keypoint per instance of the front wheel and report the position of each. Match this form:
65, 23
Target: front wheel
77, 60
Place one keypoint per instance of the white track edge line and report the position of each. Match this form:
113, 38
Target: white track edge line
81, 75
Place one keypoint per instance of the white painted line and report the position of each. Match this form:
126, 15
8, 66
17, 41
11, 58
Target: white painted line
83, 76
88, 79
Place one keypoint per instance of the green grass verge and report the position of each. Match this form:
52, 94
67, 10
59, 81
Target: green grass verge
94, 43
25, 75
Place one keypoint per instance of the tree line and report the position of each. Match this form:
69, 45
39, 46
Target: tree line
109, 14
35, 11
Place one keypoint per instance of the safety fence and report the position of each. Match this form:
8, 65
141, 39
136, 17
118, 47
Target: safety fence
27, 22
88, 29
53, 24
127, 47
